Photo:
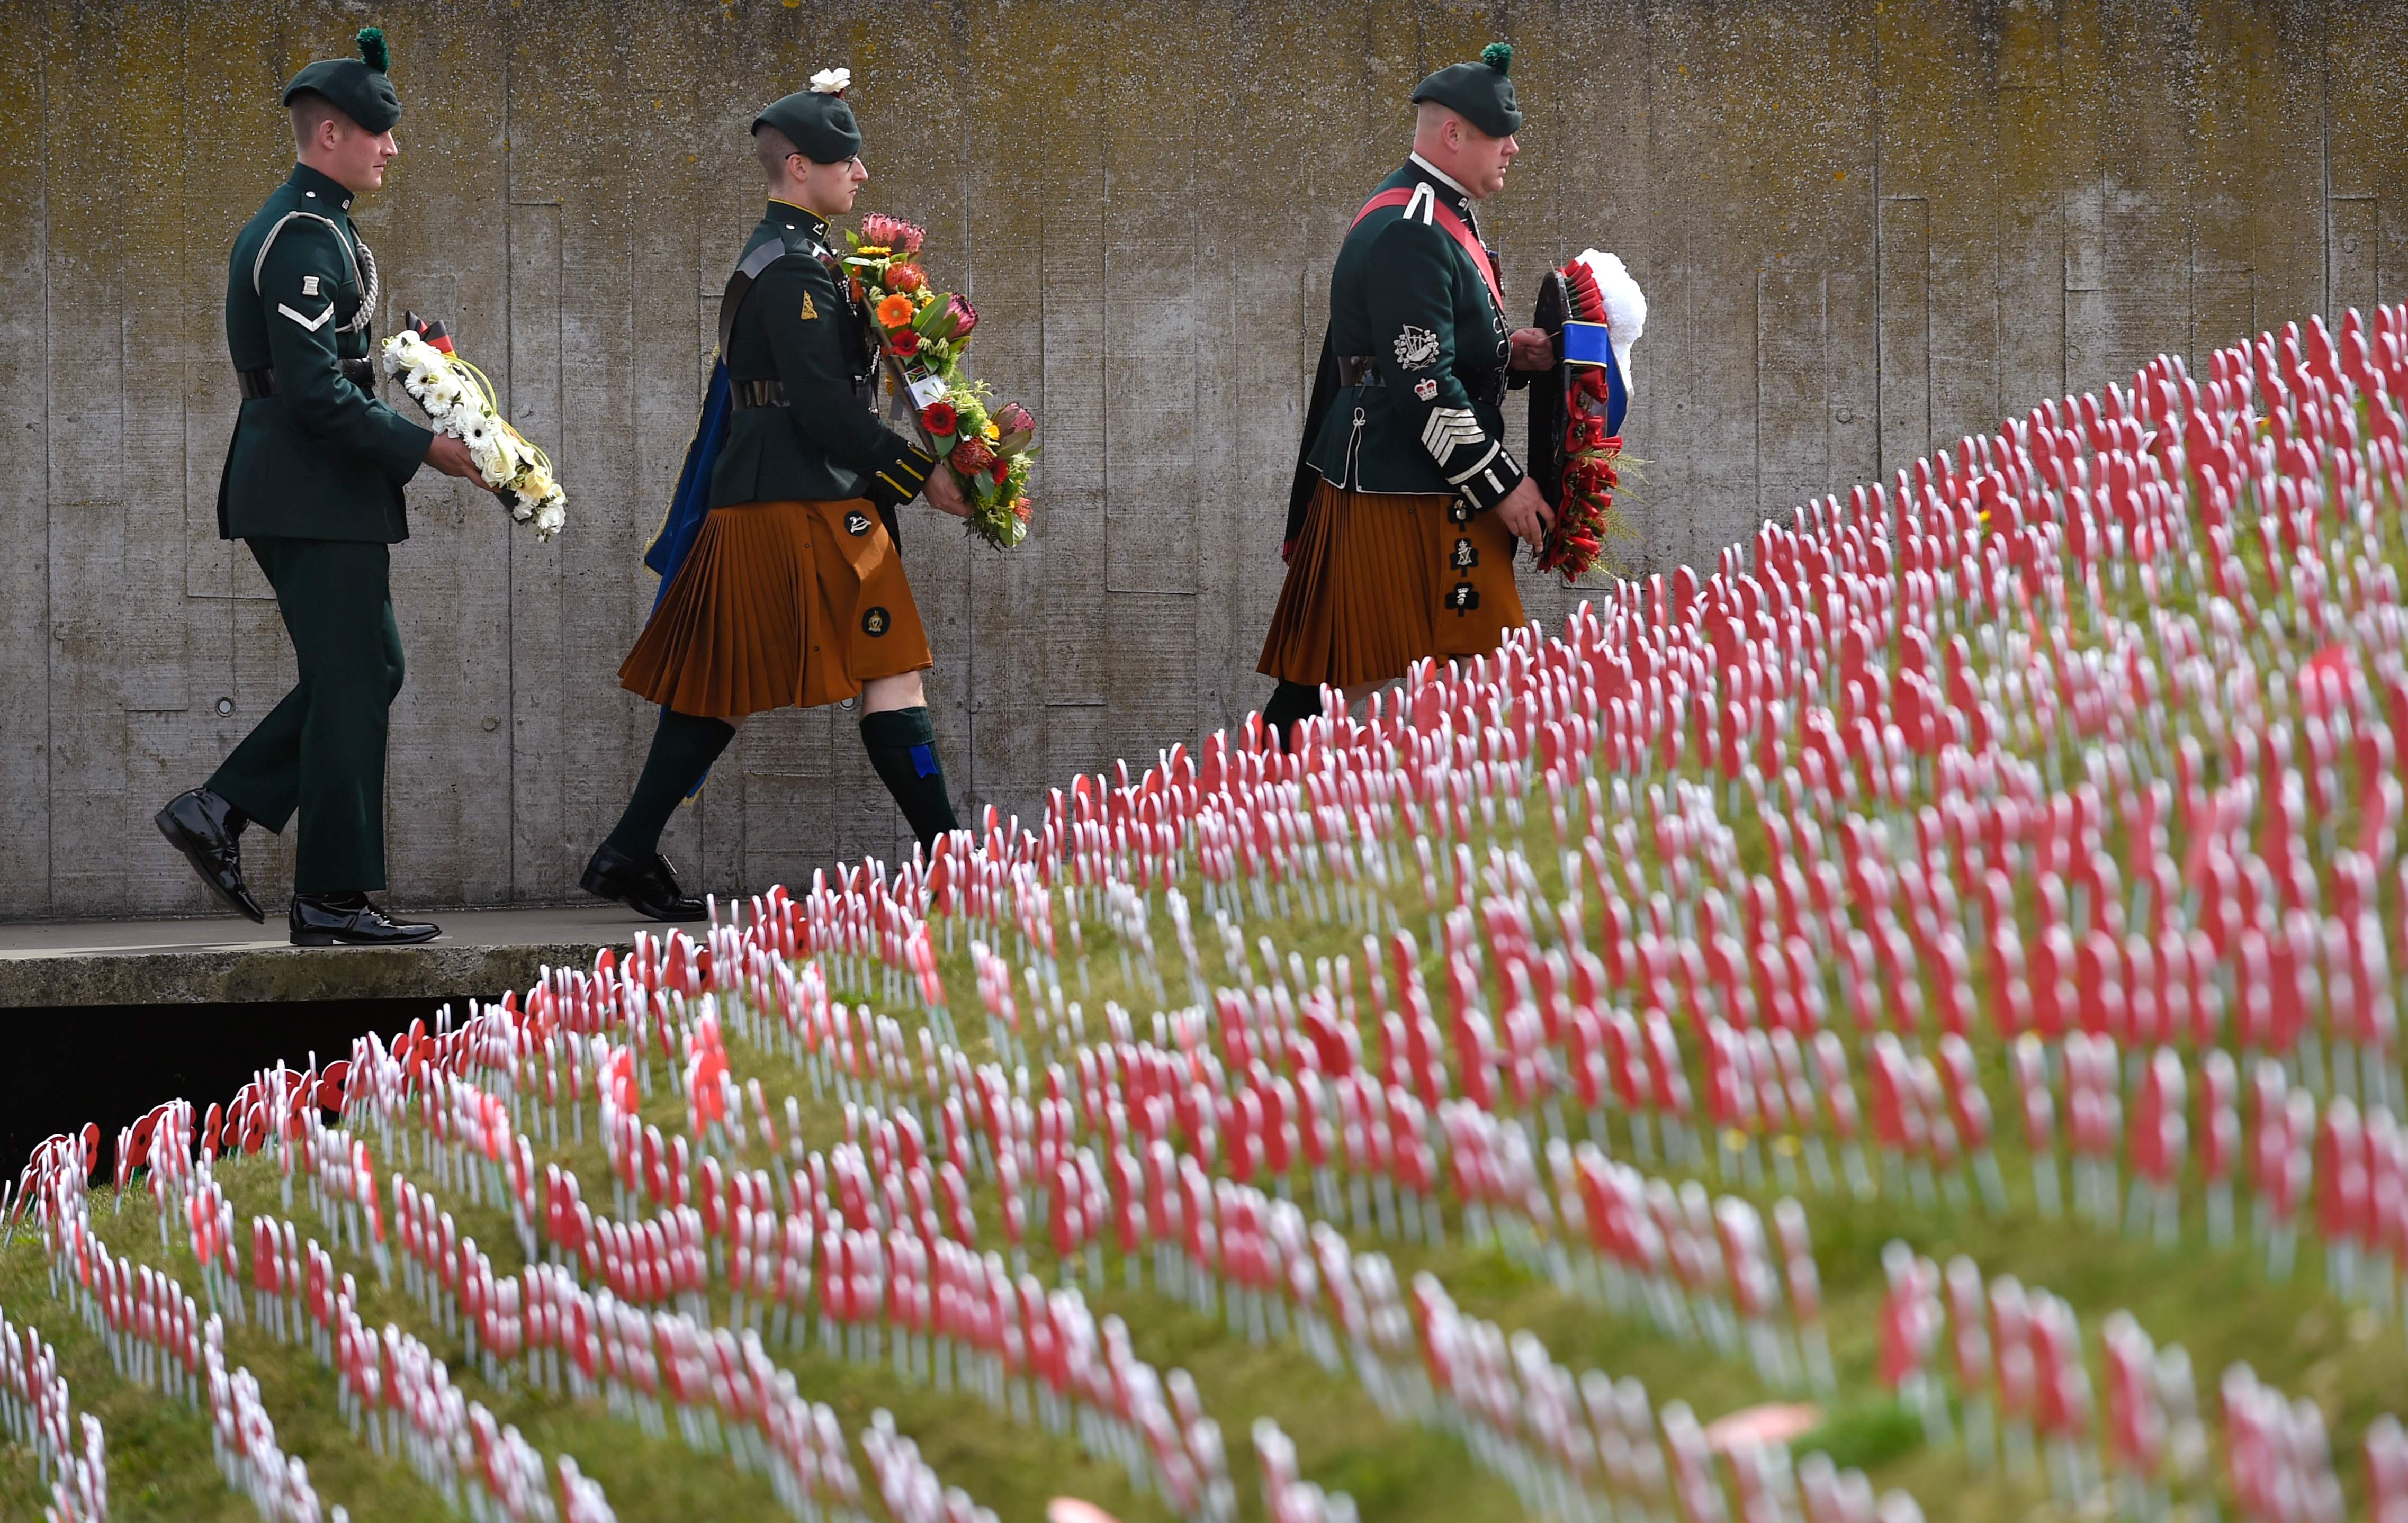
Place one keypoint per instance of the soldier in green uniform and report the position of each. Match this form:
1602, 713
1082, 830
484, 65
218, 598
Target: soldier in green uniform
312, 484
793, 594
1407, 504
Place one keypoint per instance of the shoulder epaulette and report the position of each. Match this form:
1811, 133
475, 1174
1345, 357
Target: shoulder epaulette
762, 258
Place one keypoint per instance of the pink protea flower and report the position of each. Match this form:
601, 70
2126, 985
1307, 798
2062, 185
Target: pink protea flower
963, 317
898, 238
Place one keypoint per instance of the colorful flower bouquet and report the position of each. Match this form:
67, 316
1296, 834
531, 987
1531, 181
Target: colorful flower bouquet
459, 401
921, 332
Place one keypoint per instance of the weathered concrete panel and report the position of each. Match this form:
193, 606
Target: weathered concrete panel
1864, 230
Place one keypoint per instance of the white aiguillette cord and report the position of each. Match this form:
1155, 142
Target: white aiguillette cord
356, 251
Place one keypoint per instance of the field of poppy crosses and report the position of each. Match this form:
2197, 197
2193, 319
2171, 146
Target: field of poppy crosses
1899, 1023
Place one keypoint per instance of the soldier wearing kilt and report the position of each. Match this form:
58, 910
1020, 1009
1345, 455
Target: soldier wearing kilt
792, 594
313, 486
1407, 504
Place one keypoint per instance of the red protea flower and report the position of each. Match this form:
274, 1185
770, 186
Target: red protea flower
963, 316
905, 277
971, 456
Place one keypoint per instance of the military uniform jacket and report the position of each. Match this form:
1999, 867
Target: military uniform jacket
321, 458
799, 327
1406, 296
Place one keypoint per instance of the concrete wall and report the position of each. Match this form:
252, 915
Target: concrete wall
1863, 228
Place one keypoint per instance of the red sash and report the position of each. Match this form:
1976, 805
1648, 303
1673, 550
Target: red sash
1454, 227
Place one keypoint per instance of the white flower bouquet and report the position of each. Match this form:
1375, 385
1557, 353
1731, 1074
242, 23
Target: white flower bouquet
459, 401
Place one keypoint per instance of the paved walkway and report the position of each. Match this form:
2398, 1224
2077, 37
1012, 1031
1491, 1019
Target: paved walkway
81, 962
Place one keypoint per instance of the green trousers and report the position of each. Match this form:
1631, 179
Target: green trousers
321, 752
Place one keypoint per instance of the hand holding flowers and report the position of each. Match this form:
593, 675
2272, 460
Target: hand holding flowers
459, 402
986, 447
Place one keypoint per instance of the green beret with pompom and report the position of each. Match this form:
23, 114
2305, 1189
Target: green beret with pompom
1481, 92
357, 87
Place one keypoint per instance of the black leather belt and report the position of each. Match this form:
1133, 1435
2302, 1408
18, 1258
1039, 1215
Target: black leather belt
258, 383
1359, 370
760, 394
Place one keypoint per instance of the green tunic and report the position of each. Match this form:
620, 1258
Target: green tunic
322, 457
1407, 297
799, 327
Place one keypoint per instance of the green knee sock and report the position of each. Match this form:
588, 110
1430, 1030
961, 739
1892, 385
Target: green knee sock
683, 748
902, 745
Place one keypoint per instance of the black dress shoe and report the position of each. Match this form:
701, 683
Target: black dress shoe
348, 920
650, 889
207, 831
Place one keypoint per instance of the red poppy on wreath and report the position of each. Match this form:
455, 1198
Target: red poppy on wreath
939, 418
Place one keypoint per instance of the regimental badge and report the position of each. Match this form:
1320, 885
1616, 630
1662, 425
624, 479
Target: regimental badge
809, 313
856, 523
1425, 388
1416, 348
1463, 597
1465, 557
876, 623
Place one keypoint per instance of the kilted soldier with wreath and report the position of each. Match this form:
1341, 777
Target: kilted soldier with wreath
782, 583
1407, 504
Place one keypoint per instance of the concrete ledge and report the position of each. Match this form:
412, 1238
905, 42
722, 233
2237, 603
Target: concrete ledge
55, 964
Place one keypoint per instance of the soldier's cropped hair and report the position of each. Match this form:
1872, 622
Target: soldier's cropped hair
309, 108
774, 148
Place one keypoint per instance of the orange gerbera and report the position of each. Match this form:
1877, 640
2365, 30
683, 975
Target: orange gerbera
895, 311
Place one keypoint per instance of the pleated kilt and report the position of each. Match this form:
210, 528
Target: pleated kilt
785, 604
1379, 581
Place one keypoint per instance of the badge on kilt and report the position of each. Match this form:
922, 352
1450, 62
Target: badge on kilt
877, 621
856, 523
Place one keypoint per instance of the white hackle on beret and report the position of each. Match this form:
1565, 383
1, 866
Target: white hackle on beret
831, 82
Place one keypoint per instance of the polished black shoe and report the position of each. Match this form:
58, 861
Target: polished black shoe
207, 831
650, 889
348, 920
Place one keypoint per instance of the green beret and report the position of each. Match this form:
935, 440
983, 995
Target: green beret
816, 121
357, 87
1481, 93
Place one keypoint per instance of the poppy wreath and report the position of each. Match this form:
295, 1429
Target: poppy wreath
1591, 455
